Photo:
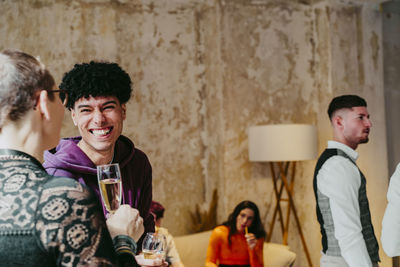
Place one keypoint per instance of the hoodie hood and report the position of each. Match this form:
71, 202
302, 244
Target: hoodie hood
69, 157
68, 160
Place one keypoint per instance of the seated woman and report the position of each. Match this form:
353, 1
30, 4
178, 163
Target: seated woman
238, 241
173, 259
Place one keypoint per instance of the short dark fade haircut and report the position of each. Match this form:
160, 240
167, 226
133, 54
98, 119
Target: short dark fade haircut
96, 79
345, 101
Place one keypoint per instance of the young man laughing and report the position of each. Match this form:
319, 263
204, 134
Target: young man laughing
96, 93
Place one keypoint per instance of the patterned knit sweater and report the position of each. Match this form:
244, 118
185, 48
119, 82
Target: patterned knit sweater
47, 221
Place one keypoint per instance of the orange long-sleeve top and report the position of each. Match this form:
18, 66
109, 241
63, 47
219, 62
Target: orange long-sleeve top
238, 253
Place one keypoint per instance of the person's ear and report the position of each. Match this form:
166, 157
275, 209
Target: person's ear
338, 121
43, 104
123, 106
73, 116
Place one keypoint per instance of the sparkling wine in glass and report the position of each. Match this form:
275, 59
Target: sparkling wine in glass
109, 177
154, 246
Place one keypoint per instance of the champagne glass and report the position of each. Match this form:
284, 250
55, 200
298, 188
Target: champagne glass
109, 177
154, 246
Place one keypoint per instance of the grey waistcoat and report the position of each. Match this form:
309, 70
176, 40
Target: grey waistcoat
330, 244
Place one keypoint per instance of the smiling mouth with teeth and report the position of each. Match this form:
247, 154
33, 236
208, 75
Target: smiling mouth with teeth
101, 132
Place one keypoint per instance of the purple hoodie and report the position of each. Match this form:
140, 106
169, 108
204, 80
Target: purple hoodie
68, 160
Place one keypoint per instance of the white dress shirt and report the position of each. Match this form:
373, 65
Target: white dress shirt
391, 220
172, 253
339, 179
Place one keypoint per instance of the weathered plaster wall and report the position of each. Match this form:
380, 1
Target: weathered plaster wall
357, 67
391, 45
391, 52
204, 71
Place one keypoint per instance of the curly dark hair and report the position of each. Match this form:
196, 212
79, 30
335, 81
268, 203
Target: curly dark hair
257, 228
96, 79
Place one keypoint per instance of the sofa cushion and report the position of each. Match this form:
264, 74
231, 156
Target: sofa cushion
193, 249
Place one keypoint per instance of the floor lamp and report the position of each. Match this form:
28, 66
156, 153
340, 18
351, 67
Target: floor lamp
282, 145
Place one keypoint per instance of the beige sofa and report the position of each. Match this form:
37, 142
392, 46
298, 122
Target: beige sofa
192, 250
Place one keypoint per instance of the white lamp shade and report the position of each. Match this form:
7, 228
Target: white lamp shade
282, 142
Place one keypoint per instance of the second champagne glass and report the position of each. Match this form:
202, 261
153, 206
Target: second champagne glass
109, 177
154, 246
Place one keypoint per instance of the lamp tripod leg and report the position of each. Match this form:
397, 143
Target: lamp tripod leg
271, 229
291, 202
278, 198
291, 185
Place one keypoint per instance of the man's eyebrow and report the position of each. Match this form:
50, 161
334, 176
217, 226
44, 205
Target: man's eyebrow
106, 103
83, 106
363, 114
110, 102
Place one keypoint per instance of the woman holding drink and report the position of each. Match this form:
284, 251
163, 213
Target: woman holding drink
238, 241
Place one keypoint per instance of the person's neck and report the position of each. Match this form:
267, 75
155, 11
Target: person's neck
22, 136
97, 157
344, 141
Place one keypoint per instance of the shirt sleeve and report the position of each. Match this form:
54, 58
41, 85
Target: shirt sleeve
256, 254
172, 252
391, 220
213, 249
148, 193
71, 226
339, 179
144, 203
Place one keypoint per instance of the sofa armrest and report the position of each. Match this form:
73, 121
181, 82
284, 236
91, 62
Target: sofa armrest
192, 250
277, 255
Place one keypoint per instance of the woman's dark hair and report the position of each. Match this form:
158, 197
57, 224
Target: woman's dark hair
157, 209
96, 79
257, 228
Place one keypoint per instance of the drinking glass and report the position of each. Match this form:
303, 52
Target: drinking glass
154, 246
109, 177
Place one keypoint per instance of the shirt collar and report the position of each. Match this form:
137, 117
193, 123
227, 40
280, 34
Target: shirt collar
346, 149
16, 154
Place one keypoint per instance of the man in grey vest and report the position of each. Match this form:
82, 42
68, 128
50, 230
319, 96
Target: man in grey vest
348, 237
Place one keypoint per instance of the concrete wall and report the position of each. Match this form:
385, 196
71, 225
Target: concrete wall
391, 45
204, 71
391, 49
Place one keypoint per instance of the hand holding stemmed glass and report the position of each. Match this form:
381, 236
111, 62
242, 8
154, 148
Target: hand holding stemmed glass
154, 246
153, 250
126, 220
